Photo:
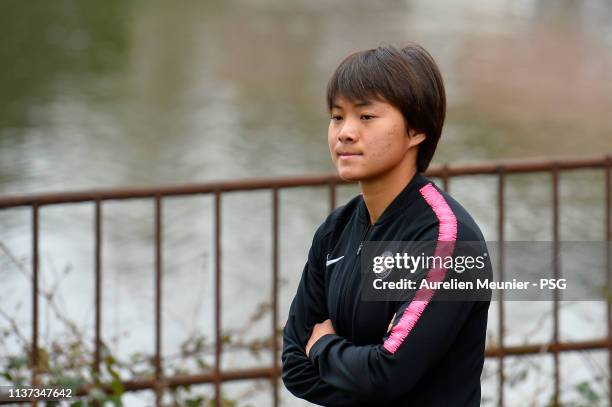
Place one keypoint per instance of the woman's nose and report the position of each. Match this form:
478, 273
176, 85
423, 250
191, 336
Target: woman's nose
348, 133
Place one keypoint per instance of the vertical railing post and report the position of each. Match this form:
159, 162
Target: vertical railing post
34, 360
608, 234
275, 233
332, 194
159, 390
218, 349
97, 287
445, 177
556, 273
501, 238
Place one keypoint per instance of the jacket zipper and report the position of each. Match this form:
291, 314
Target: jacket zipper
348, 278
347, 300
363, 239
358, 261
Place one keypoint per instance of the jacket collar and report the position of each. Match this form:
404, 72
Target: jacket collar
401, 201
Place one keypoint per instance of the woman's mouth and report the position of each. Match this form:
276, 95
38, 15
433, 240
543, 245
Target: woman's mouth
347, 155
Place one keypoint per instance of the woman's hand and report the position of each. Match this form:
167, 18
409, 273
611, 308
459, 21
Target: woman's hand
320, 329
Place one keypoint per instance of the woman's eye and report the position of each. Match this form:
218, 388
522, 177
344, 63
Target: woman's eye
367, 116
336, 117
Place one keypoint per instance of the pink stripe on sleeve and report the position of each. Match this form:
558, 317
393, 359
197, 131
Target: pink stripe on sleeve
447, 236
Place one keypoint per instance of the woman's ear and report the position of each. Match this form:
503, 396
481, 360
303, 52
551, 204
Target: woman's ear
415, 138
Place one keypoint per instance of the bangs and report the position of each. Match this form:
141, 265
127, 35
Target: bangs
358, 78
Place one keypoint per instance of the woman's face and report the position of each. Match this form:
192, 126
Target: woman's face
367, 139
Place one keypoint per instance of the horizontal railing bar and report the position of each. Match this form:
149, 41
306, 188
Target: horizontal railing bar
186, 380
509, 166
519, 166
518, 350
165, 191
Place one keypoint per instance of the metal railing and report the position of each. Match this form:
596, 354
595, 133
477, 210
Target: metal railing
274, 185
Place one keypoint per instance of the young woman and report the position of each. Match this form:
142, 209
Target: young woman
387, 108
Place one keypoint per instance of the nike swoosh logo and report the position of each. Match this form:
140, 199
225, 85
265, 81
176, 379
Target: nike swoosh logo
332, 261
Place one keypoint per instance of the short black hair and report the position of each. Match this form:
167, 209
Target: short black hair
408, 78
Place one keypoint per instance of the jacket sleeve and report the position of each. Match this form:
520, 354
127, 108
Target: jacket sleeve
308, 308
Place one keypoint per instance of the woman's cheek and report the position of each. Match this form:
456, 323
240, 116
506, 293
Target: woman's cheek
381, 152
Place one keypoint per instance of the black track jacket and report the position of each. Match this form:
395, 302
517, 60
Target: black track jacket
434, 352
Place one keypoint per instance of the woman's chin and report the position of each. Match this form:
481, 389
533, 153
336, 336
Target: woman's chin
350, 176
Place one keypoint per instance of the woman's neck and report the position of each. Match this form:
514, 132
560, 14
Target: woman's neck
379, 193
